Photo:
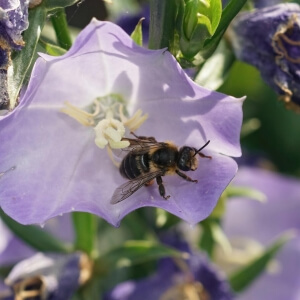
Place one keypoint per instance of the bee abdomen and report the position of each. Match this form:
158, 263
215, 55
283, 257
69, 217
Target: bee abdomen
134, 165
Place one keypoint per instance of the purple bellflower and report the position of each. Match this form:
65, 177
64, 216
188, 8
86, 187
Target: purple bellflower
14, 251
265, 3
51, 277
268, 39
52, 159
251, 225
178, 279
13, 21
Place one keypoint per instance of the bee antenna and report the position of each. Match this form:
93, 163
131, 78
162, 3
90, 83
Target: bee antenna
202, 147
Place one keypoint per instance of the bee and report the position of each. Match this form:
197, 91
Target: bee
148, 159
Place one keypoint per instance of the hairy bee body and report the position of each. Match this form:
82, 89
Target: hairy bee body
148, 159
164, 159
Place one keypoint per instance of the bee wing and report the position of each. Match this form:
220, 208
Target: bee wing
130, 187
140, 146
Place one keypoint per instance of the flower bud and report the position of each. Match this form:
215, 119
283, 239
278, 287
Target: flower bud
200, 20
269, 40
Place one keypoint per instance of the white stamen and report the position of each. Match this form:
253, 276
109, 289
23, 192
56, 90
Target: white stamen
108, 120
136, 121
110, 131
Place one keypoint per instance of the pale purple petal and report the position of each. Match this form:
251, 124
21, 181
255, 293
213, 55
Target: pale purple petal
264, 222
12, 249
49, 162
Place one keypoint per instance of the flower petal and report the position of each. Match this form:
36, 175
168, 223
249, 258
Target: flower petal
50, 164
190, 201
263, 222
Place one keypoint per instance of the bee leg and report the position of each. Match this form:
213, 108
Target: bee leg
161, 188
145, 138
204, 156
185, 177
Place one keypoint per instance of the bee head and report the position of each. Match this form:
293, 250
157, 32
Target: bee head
187, 161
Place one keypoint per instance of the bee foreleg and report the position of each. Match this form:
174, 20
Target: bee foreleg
185, 177
145, 138
204, 156
161, 188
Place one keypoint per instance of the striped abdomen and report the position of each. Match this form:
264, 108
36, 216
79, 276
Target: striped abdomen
133, 165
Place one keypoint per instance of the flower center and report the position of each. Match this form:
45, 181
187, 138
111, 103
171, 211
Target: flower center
107, 116
284, 43
186, 291
30, 288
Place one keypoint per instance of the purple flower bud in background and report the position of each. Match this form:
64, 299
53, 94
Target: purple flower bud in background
251, 225
265, 3
269, 40
178, 279
13, 250
13, 21
51, 277
258, 3
52, 156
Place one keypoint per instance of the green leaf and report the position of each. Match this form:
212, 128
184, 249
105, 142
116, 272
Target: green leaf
215, 70
34, 236
54, 4
22, 60
137, 34
245, 192
245, 276
213, 234
134, 252
207, 242
229, 12
162, 23
52, 49
85, 226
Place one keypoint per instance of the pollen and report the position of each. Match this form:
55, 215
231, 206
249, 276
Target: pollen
106, 115
189, 291
110, 131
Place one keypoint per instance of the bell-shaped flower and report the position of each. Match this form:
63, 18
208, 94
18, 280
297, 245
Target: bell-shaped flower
56, 146
13, 251
177, 279
268, 39
251, 225
49, 277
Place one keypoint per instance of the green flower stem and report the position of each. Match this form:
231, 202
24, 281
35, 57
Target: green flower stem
85, 226
162, 23
60, 26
